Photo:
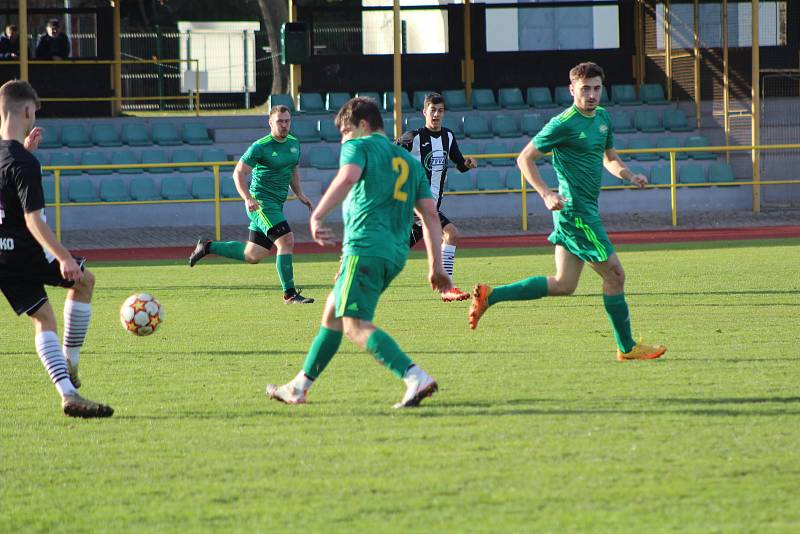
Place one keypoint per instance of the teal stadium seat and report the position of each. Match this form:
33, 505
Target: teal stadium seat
125, 157
540, 98
691, 173
605, 98
455, 100
114, 190
642, 143
374, 95
135, 134
64, 158
322, 157
549, 177
647, 121
669, 141
483, 99
620, 143
166, 134
305, 131
498, 148
144, 188
75, 136
334, 101
622, 122
489, 180
699, 141
43, 159
49, 187
203, 187
312, 104
720, 172
531, 123
454, 123
195, 133
280, 100
419, 98
563, 97
511, 98
460, 181
653, 94
414, 123
91, 157
185, 155
675, 120
50, 138
625, 95
328, 132
228, 188
104, 134
659, 175
388, 128
505, 126
471, 148
513, 179
156, 156
214, 155
388, 102
476, 127
174, 188
81, 190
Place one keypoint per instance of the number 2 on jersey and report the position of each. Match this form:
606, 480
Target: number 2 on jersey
400, 166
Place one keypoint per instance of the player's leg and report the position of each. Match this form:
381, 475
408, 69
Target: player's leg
257, 247
450, 237
250, 252
283, 237
416, 234
77, 314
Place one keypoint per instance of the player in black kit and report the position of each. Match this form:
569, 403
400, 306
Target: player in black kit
31, 256
434, 144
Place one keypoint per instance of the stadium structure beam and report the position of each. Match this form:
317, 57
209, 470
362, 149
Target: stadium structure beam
295, 74
668, 46
726, 104
398, 73
116, 71
755, 91
23, 39
468, 68
697, 59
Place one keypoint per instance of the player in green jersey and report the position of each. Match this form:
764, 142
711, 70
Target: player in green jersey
582, 142
273, 161
381, 185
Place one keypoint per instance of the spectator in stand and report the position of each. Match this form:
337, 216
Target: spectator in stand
9, 43
53, 45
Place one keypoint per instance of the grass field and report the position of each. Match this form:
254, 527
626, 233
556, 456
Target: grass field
536, 426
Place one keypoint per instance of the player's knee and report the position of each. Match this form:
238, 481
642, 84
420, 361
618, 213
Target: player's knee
285, 244
562, 288
451, 234
86, 283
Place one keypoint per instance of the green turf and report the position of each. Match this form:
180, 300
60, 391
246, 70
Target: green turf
536, 427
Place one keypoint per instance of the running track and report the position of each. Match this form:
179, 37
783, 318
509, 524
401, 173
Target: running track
538, 240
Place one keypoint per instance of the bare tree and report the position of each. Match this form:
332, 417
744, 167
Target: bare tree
275, 13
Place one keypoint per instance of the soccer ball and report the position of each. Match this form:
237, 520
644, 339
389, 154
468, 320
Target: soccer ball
141, 314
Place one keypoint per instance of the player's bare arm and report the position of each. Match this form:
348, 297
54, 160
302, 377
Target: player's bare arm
425, 208
240, 174
344, 181
34, 220
298, 189
526, 161
614, 164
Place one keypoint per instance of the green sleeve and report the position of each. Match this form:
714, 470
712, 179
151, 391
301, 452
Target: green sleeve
251, 156
352, 153
553, 134
423, 188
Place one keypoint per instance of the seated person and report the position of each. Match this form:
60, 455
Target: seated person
53, 45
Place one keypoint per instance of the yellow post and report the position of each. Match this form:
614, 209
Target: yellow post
756, 111
523, 182
23, 39
468, 72
697, 114
398, 86
217, 226
57, 184
673, 188
116, 105
294, 70
725, 79
668, 47
196, 87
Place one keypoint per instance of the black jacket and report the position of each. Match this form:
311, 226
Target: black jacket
47, 47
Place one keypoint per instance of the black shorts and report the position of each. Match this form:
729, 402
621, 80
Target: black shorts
274, 233
416, 229
22, 281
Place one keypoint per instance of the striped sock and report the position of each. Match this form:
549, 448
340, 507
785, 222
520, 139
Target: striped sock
76, 323
448, 258
49, 350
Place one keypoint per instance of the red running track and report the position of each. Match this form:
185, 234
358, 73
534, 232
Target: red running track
538, 240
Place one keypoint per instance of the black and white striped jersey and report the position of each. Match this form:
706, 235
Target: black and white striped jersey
433, 150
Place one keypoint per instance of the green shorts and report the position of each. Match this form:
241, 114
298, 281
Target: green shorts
269, 215
360, 283
586, 240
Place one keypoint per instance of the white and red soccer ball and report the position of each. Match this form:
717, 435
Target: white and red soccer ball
141, 314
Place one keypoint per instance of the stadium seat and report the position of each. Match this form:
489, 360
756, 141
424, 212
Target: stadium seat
334, 101
659, 175
228, 188
720, 172
322, 157
455, 100
460, 181
621, 144
483, 99
518, 145
653, 93
203, 187
114, 190
549, 177
675, 120
43, 159
640, 143
668, 141
81, 190
328, 132
511, 98
305, 131
144, 188
156, 156
135, 134
622, 122
174, 188
625, 95
489, 179
50, 138
312, 103
498, 148
185, 155
104, 134
94, 158
280, 100
419, 98
476, 127
49, 187
388, 128
125, 157
194, 133
166, 134
414, 123
388, 102
513, 178
563, 97
213, 155
699, 141
691, 174
609, 180
531, 123
64, 158
540, 97
505, 126
605, 98
471, 148
374, 95
75, 136
455, 124
646, 120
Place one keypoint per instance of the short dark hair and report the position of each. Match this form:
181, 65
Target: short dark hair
15, 93
432, 98
280, 108
12, 27
357, 109
54, 22
581, 71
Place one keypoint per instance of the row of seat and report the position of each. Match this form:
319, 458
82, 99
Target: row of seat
139, 188
131, 157
105, 134
482, 98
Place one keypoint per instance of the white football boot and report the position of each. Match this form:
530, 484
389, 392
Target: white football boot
419, 385
295, 392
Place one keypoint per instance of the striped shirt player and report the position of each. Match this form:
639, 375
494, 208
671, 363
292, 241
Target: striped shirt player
433, 145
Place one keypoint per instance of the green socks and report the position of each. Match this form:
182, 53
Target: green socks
617, 310
283, 263
229, 249
531, 288
386, 351
321, 351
